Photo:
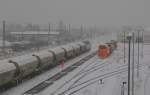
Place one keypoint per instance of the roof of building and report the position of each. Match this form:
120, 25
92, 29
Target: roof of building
36, 32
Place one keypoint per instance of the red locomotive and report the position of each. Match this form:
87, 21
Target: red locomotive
104, 50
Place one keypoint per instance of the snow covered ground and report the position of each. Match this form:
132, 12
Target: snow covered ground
96, 76
89, 83
21, 88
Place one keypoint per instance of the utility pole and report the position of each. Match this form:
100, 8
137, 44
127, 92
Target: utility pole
138, 55
133, 66
4, 30
81, 31
22, 36
129, 40
69, 32
69, 29
142, 43
49, 29
124, 47
37, 40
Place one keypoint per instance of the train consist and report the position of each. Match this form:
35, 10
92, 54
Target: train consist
16, 69
104, 50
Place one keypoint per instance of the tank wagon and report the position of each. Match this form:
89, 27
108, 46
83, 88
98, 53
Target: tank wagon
69, 51
76, 49
88, 45
15, 69
44, 58
58, 55
104, 50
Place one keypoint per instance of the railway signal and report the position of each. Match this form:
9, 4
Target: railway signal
62, 63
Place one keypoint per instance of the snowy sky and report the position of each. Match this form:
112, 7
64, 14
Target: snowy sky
89, 12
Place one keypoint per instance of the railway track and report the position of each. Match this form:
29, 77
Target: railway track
43, 85
40, 87
87, 72
83, 72
78, 87
91, 70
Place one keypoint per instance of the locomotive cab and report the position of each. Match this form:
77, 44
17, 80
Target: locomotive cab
103, 51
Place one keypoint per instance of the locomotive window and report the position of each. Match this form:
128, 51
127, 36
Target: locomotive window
102, 47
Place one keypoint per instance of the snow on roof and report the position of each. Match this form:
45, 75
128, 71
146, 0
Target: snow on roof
81, 44
57, 50
5, 66
24, 59
43, 53
68, 47
21, 42
36, 32
74, 44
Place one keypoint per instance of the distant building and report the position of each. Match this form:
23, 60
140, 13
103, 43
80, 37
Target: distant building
35, 35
